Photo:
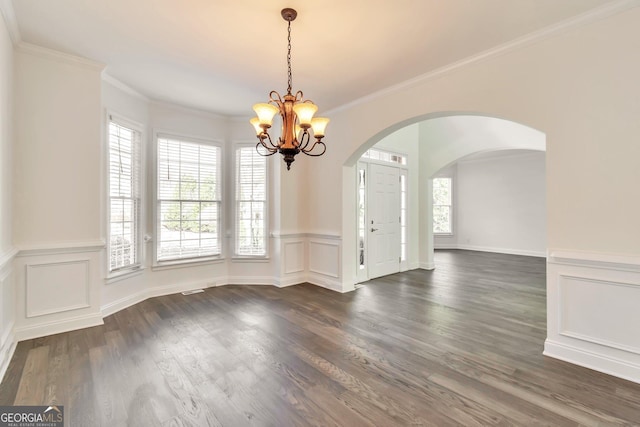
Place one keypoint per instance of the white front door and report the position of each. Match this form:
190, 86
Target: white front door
383, 224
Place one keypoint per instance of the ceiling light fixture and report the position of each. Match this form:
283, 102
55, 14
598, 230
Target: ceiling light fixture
297, 117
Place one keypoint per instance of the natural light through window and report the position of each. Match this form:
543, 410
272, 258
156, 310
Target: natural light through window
189, 197
251, 202
385, 156
442, 221
403, 217
361, 218
124, 196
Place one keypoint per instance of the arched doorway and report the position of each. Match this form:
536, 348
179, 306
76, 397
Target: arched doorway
441, 139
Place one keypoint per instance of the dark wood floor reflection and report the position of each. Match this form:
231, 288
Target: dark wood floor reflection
461, 345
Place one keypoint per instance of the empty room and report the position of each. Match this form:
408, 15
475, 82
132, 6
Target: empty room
360, 213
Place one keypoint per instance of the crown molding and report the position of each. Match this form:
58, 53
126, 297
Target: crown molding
6, 9
118, 84
186, 109
574, 22
68, 58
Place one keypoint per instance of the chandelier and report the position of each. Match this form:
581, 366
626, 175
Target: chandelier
297, 117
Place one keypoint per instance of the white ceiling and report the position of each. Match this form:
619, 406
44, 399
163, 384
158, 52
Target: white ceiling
225, 55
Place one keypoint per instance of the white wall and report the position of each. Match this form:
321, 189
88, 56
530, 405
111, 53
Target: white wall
578, 86
500, 204
57, 205
57, 157
7, 251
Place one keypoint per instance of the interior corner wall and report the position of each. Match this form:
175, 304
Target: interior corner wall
6, 139
58, 192
500, 205
7, 250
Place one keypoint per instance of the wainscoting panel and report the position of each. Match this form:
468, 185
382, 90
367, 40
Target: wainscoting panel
325, 262
593, 312
324, 257
58, 288
600, 312
294, 254
55, 287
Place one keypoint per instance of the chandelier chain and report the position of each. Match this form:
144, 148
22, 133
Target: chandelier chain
290, 79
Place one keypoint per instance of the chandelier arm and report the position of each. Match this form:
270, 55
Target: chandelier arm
277, 99
309, 152
270, 151
304, 143
265, 135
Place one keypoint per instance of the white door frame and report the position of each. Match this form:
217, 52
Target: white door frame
362, 270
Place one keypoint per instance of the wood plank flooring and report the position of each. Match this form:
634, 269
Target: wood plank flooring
461, 345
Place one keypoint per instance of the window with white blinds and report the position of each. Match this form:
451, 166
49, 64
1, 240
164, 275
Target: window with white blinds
189, 196
124, 196
251, 203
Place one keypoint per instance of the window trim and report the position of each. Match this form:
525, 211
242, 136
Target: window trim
404, 263
234, 210
183, 262
125, 272
433, 205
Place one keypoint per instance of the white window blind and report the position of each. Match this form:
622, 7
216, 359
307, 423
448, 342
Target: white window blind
442, 220
189, 195
251, 203
124, 196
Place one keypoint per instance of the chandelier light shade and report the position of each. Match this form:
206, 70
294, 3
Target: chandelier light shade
298, 121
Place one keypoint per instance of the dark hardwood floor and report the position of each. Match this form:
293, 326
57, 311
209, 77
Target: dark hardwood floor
461, 345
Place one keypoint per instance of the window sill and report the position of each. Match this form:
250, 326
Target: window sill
168, 265
443, 234
123, 275
250, 259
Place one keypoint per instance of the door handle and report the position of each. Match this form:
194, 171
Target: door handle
374, 229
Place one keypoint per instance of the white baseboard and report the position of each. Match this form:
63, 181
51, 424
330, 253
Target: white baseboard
247, 280
58, 326
325, 282
138, 297
508, 251
596, 361
7, 350
122, 303
445, 246
427, 266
